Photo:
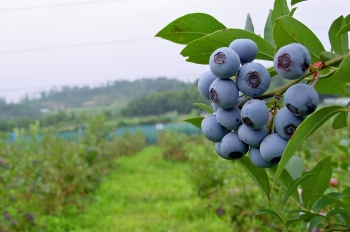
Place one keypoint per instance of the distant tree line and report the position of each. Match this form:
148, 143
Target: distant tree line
117, 91
163, 102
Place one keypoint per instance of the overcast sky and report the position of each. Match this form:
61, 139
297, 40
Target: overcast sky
84, 42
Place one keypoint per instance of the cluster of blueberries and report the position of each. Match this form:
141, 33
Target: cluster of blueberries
240, 122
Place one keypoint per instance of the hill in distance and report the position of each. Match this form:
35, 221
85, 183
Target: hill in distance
112, 96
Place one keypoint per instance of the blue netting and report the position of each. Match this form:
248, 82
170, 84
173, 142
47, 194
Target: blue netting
151, 132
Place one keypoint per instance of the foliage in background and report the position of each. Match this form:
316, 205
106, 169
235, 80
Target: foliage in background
175, 146
159, 103
110, 93
43, 174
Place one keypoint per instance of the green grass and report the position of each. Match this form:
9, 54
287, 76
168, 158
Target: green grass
145, 193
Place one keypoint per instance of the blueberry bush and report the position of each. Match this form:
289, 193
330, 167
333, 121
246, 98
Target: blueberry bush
44, 175
264, 131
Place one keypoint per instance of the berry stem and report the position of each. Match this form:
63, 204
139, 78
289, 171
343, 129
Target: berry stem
317, 77
308, 80
239, 105
281, 90
334, 61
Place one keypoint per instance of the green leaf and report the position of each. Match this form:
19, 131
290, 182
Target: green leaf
336, 83
280, 8
303, 214
341, 212
268, 30
291, 13
288, 30
317, 183
293, 187
296, 1
190, 27
340, 44
258, 175
340, 121
338, 202
347, 198
204, 107
295, 167
303, 131
289, 222
323, 202
249, 24
326, 56
315, 222
269, 212
195, 121
286, 180
343, 72
330, 86
344, 29
347, 18
199, 51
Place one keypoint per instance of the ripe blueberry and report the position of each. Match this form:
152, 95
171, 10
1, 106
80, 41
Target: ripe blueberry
217, 148
255, 113
301, 99
218, 151
212, 130
204, 83
253, 79
272, 148
252, 137
246, 49
231, 147
224, 63
214, 106
229, 118
224, 93
286, 123
292, 61
256, 158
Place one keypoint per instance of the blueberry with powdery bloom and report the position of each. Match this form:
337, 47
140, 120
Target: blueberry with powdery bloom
253, 79
286, 123
229, 118
252, 137
255, 113
231, 147
214, 106
256, 158
224, 63
246, 49
272, 148
301, 99
292, 61
224, 93
212, 130
218, 150
204, 83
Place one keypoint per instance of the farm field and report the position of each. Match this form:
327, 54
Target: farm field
145, 193
178, 183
